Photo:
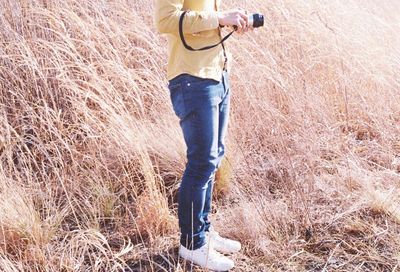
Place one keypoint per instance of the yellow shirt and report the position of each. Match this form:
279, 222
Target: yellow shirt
200, 28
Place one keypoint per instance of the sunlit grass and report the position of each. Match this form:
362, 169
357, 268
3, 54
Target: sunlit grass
91, 153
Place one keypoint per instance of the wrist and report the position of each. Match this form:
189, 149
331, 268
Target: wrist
221, 19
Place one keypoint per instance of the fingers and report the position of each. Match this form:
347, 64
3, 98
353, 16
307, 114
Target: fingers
244, 16
237, 18
241, 20
245, 21
242, 23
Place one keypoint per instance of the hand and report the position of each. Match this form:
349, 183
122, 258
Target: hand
232, 18
248, 27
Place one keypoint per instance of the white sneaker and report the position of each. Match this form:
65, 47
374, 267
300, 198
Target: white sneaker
206, 257
221, 244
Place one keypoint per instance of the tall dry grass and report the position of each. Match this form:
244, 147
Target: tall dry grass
91, 153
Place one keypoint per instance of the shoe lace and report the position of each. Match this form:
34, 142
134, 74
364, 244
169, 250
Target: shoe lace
215, 236
214, 233
212, 253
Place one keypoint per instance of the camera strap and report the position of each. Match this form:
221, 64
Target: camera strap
188, 47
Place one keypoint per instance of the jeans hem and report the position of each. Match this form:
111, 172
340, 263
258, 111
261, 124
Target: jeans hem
198, 245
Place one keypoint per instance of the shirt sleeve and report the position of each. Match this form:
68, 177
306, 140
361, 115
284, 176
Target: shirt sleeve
168, 12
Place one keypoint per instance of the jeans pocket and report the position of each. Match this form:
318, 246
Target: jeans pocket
177, 99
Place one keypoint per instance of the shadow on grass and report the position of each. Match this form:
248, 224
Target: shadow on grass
166, 261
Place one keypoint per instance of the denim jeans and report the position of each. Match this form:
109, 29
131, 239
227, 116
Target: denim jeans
202, 106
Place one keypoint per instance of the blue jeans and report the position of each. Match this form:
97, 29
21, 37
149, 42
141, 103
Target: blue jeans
202, 106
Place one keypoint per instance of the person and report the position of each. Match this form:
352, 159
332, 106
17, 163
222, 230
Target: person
200, 95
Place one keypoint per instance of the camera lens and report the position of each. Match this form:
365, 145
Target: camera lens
258, 20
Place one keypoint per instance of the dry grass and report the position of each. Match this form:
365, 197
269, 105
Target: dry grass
91, 153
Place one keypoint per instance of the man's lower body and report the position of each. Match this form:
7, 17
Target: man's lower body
202, 106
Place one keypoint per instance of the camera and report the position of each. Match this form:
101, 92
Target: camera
256, 20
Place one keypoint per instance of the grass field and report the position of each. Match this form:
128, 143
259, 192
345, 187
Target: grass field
91, 153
